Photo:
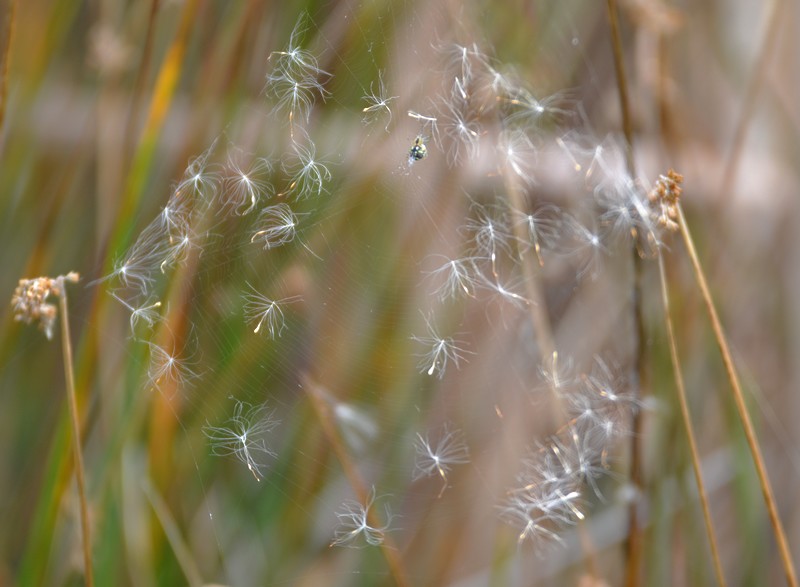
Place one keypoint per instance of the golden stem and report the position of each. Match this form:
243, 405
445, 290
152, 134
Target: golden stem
687, 421
358, 485
76, 434
741, 407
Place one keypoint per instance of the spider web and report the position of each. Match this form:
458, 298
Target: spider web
311, 256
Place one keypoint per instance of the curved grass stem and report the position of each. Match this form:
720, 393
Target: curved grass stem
543, 332
622, 84
358, 485
741, 407
772, 23
5, 56
687, 421
76, 435
634, 544
533, 288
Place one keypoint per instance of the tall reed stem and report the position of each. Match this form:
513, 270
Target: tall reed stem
5, 57
634, 544
76, 434
741, 407
687, 422
358, 485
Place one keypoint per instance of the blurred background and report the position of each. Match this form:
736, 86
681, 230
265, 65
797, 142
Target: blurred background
116, 115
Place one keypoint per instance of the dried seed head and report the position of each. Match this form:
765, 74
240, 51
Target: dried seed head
30, 300
664, 198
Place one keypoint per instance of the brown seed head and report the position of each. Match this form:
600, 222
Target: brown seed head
30, 300
664, 198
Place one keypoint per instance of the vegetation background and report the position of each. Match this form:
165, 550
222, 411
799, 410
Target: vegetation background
104, 105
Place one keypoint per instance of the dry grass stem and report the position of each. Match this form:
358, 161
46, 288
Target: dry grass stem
6, 57
30, 304
76, 431
354, 478
741, 407
634, 543
687, 422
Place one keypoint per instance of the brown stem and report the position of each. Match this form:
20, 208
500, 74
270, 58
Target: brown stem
141, 78
180, 549
544, 337
687, 421
756, 82
741, 407
622, 84
634, 544
533, 289
12, 12
537, 309
76, 434
358, 485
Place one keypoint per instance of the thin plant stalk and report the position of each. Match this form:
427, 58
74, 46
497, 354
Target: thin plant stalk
687, 421
741, 407
141, 78
533, 289
76, 435
544, 337
160, 101
767, 46
6, 57
183, 553
634, 543
622, 84
358, 485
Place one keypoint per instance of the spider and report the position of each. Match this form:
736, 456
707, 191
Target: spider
418, 150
